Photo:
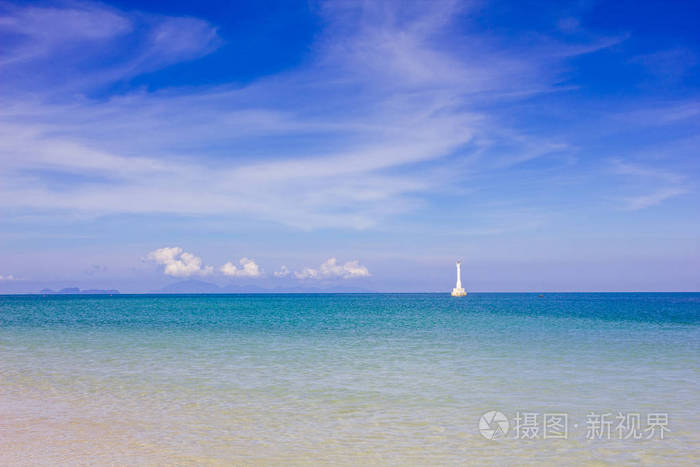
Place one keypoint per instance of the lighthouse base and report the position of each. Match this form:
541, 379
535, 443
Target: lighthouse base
458, 292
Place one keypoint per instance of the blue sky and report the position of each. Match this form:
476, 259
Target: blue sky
553, 146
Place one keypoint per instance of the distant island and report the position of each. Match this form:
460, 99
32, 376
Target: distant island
77, 291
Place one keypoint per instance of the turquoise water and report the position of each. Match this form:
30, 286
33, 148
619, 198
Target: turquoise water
394, 379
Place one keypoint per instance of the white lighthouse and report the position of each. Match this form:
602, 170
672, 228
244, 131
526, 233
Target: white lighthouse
458, 291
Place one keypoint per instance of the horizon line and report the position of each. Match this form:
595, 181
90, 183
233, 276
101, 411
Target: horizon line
351, 293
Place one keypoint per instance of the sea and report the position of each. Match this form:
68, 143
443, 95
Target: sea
350, 379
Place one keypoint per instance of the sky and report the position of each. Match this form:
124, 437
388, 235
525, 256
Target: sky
349, 145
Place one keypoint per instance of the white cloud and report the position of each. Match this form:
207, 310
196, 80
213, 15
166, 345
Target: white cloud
353, 269
331, 269
306, 273
9, 277
179, 263
283, 272
248, 269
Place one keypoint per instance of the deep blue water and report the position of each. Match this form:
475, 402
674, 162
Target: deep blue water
339, 312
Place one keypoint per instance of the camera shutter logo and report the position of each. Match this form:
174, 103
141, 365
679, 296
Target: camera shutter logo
493, 425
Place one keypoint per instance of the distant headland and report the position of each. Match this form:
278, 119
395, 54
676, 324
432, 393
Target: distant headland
77, 291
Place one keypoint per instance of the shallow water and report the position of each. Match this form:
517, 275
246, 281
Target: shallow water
391, 379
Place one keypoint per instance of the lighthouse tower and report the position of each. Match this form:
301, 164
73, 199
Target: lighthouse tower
458, 291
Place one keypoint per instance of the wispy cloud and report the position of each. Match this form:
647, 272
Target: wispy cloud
666, 184
87, 45
635, 203
385, 93
664, 113
637, 170
36, 33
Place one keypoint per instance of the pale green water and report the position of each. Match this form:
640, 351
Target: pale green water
342, 379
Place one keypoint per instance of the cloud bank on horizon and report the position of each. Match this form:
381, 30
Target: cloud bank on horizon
179, 263
447, 122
